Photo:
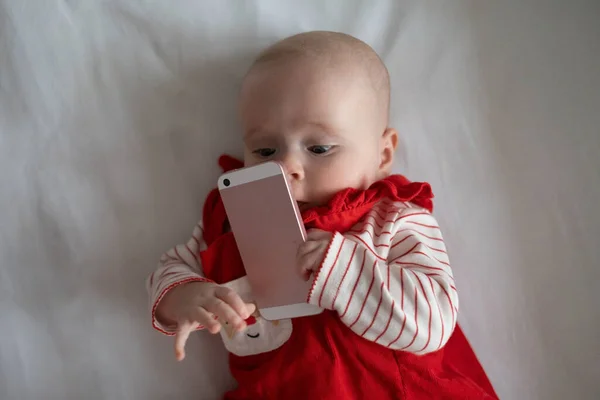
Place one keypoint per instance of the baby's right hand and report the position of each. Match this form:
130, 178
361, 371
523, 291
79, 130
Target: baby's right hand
202, 303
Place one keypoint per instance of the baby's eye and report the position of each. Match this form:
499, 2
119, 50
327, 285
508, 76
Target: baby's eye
264, 153
320, 149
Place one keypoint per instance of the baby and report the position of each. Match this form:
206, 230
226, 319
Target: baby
318, 103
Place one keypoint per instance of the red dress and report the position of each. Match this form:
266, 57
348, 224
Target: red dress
324, 359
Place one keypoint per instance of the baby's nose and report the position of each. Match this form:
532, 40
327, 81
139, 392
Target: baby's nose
296, 176
293, 169
251, 320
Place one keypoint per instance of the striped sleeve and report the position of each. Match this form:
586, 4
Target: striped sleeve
179, 265
390, 281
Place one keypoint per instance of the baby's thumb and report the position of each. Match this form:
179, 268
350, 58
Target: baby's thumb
250, 308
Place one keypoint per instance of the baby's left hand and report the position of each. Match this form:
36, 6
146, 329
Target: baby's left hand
312, 252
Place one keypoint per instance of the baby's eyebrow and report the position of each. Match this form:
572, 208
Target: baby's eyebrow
258, 137
324, 128
326, 133
318, 130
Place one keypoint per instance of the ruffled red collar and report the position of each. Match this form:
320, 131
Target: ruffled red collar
394, 188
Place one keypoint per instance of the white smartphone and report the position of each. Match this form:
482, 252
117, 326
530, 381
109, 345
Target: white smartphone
268, 229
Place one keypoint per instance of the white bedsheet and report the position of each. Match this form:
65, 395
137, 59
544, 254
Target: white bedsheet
113, 113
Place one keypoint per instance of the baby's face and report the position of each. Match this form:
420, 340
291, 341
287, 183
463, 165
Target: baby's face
322, 125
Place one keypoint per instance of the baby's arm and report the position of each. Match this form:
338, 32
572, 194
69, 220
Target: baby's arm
390, 280
179, 265
182, 300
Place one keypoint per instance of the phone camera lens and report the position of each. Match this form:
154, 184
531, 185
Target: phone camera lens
226, 182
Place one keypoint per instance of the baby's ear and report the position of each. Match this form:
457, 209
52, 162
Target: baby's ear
387, 148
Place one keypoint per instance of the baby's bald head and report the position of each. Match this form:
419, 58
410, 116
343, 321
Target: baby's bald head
333, 51
318, 103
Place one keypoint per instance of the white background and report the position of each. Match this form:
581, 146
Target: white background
113, 113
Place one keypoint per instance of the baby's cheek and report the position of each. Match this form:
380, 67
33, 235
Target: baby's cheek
339, 176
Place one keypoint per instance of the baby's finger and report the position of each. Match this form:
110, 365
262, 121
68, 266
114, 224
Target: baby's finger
181, 337
230, 297
226, 314
306, 270
307, 247
317, 234
251, 308
207, 320
309, 264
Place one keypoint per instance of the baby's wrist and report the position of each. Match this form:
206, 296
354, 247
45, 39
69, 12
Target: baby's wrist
163, 314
